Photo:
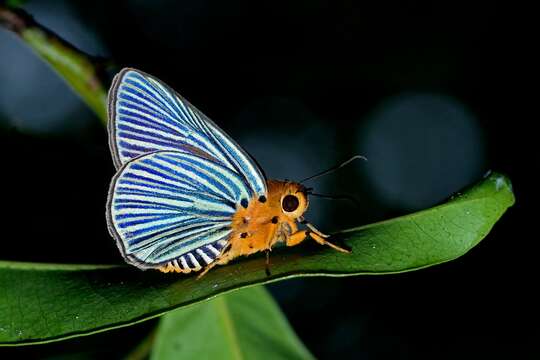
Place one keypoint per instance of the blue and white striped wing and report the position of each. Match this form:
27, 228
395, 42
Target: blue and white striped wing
173, 207
145, 115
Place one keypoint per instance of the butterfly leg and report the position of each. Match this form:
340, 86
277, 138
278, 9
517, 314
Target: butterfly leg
300, 236
206, 269
303, 221
296, 238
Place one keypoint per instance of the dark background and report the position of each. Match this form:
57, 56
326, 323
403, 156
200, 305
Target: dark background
429, 93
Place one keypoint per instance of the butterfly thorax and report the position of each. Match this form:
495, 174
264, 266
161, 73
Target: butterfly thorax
262, 224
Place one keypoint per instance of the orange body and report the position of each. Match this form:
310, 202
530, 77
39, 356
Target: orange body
259, 226
262, 224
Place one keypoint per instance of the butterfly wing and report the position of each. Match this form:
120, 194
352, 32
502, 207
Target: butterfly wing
145, 115
169, 206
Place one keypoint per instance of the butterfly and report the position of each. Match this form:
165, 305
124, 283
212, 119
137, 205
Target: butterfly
186, 197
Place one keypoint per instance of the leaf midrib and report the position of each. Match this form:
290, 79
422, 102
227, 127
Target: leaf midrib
230, 331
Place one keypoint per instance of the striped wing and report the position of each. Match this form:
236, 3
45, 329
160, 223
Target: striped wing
175, 207
145, 115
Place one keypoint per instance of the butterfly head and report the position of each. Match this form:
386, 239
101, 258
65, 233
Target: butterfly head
294, 200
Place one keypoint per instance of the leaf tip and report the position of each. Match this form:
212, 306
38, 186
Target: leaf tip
501, 182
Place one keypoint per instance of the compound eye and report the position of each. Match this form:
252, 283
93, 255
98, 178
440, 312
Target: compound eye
290, 203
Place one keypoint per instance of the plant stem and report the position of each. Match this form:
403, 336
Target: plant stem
84, 73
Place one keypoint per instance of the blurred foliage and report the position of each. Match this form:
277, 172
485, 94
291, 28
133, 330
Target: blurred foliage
81, 71
14, 3
246, 324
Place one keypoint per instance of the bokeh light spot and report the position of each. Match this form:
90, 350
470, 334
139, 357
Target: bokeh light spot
421, 149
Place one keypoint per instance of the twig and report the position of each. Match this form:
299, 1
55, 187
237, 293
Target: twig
84, 73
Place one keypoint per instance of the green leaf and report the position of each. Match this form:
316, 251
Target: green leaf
241, 325
42, 303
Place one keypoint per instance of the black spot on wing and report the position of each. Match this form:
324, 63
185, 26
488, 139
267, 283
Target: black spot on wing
244, 202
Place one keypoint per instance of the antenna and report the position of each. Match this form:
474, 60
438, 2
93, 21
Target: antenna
337, 167
337, 197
